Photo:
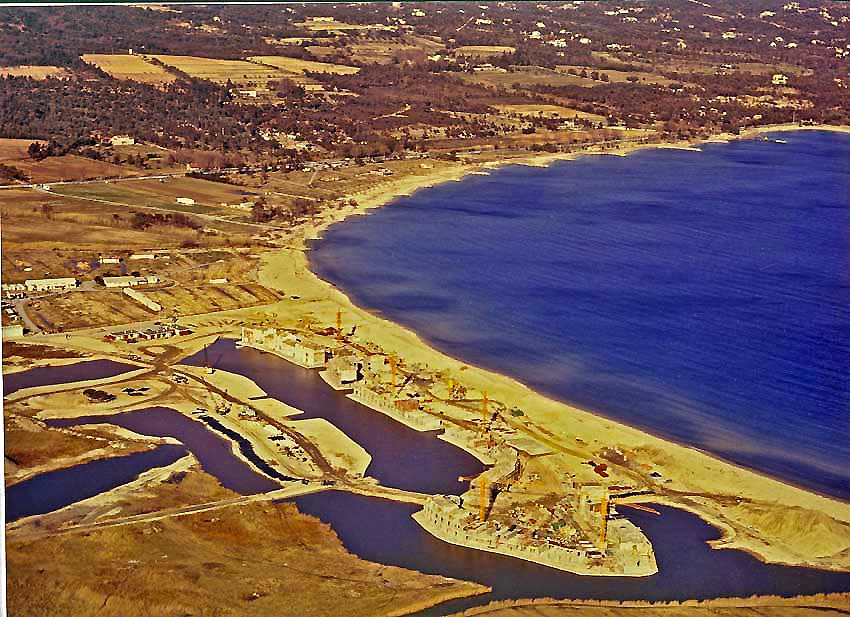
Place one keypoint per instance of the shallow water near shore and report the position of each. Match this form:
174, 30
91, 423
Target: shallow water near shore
699, 295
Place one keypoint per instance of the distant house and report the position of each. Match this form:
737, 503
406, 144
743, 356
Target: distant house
59, 284
186, 201
137, 256
779, 79
218, 281
122, 140
252, 94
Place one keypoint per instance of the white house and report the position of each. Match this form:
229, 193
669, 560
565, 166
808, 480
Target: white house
50, 284
186, 201
110, 260
122, 140
137, 256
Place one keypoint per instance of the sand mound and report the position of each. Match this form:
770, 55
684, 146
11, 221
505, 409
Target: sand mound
806, 532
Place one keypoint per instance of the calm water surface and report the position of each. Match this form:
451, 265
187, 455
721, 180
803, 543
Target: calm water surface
214, 452
54, 490
79, 371
701, 295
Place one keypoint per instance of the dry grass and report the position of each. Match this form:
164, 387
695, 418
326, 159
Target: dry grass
262, 559
484, 51
768, 606
240, 72
124, 66
14, 149
35, 72
550, 111
208, 195
619, 76
70, 167
89, 309
299, 67
29, 443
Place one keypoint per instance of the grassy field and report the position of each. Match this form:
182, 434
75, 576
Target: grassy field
208, 195
87, 309
240, 72
14, 149
524, 77
70, 167
484, 51
125, 66
619, 76
250, 560
549, 111
35, 72
383, 52
297, 66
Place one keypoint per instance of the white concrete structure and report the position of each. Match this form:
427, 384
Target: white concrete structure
110, 260
59, 284
143, 300
130, 281
137, 256
186, 201
218, 281
286, 345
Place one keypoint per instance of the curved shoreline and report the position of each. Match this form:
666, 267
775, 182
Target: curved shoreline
289, 270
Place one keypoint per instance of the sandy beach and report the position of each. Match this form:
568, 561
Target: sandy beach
770, 522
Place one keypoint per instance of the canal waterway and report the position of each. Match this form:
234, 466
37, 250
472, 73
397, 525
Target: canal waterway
68, 373
401, 457
214, 452
54, 490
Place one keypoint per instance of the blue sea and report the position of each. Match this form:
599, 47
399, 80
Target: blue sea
702, 296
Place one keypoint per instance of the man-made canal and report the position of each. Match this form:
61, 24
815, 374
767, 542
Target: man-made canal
401, 457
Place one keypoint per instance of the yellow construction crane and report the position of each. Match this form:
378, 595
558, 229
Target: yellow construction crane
603, 522
483, 499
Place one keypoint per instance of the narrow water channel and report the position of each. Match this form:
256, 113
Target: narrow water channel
55, 490
68, 373
401, 457
215, 453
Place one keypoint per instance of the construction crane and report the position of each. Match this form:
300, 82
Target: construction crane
338, 325
604, 506
605, 510
393, 369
